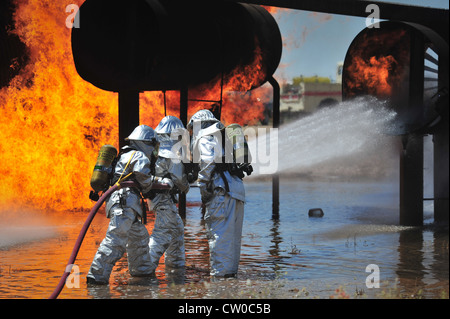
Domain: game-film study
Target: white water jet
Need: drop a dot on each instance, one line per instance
(350, 128)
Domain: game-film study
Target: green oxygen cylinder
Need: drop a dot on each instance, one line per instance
(235, 134)
(100, 176)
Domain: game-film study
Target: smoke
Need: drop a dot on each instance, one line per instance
(319, 18)
(297, 29)
(308, 25)
(19, 226)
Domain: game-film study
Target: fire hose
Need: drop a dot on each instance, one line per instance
(85, 227)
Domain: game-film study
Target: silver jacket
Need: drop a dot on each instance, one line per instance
(207, 150)
(166, 167)
(140, 166)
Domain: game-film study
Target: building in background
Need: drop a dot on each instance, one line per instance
(307, 94)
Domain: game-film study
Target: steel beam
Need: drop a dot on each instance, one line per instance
(276, 124)
(128, 114)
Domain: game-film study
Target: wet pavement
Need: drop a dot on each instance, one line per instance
(294, 257)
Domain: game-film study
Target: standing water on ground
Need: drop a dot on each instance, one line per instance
(343, 165)
(293, 257)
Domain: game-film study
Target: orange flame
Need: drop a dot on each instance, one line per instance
(53, 122)
(373, 71)
(274, 10)
(374, 74)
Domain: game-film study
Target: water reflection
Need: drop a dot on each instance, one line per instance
(411, 257)
(423, 260)
(276, 240)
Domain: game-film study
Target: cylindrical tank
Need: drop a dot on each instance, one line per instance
(161, 45)
(398, 62)
(102, 168)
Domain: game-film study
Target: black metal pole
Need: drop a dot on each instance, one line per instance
(441, 155)
(411, 158)
(183, 118)
(128, 114)
(411, 181)
(275, 124)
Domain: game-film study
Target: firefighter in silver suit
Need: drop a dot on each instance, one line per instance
(126, 232)
(168, 232)
(222, 194)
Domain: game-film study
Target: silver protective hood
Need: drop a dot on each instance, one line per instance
(171, 132)
(144, 139)
(149, 150)
(202, 116)
(143, 133)
(168, 124)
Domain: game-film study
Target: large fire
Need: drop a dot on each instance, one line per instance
(53, 122)
(376, 72)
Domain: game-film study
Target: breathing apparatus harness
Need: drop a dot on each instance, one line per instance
(115, 179)
(230, 147)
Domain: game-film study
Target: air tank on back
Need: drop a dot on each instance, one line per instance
(102, 168)
(170, 44)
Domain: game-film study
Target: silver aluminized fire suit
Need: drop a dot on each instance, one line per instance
(124, 208)
(168, 232)
(224, 210)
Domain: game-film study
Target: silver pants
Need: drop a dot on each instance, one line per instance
(125, 233)
(224, 217)
(167, 237)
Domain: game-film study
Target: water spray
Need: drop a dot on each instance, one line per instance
(353, 127)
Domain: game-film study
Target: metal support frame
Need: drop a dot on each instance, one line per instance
(436, 19)
(411, 161)
(441, 155)
(275, 124)
(411, 158)
(411, 181)
(183, 118)
(128, 114)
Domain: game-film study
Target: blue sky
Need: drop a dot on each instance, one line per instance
(315, 42)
